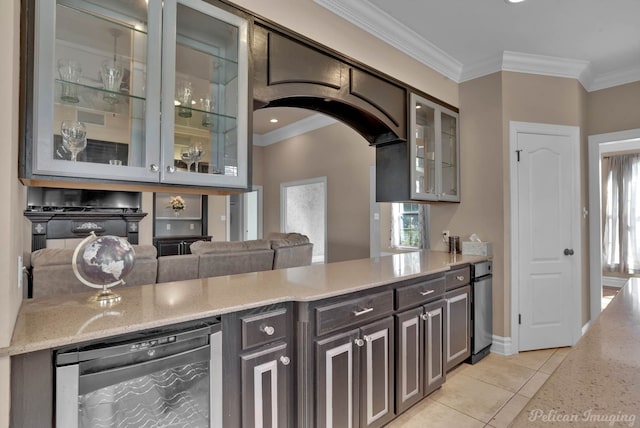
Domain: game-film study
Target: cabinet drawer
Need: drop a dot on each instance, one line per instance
(263, 328)
(458, 278)
(353, 311)
(419, 293)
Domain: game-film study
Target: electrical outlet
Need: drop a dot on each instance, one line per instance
(191, 226)
(20, 272)
(168, 227)
(445, 235)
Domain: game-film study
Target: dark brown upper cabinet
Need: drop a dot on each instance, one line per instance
(292, 73)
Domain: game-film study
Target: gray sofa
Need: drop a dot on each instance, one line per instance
(53, 274)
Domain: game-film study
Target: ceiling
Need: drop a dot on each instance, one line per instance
(595, 41)
(589, 40)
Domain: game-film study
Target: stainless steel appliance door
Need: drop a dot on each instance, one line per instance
(482, 313)
(169, 391)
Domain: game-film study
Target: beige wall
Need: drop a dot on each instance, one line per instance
(344, 157)
(317, 23)
(11, 191)
(481, 207)
(613, 109)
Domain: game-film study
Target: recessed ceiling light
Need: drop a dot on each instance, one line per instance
(418, 106)
(274, 120)
(513, 1)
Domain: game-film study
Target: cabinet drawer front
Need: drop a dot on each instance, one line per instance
(263, 328)
(352, 312)
(458, 278)
(417, 294)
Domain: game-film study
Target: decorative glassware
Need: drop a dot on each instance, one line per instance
(198, 154)
(111, 73)
(69, 71)
(74, 137)
(184, 93)
(188, 157)
(207, 105)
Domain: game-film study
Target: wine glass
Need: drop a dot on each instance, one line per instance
(74, 137)
(198, 153)
(188, 157)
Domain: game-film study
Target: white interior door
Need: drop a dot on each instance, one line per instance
(304, 210)
(547, 235)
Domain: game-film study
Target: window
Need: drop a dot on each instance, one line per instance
(405, 231)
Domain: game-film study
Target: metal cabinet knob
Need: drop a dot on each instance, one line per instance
(568, 251)
(285, 360)
(367, 338)
(426, 316)
(268, 330)
(154, 168)
(359, 342)
(460, 278)
(171, 169)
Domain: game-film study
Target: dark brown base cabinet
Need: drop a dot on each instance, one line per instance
(258, 368)
(355, 372)
(458, 330)
(178, 245)
(420, 339)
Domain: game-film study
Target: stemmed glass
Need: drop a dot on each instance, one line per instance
(74, 137)
(188, 157)
(198, 153)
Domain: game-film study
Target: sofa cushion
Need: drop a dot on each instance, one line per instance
(231, 263)
(211, 247)
(289, 240)
(177, 268)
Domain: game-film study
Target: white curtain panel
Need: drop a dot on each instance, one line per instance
(621, 246)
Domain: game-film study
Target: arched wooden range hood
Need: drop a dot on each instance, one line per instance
(289, 73)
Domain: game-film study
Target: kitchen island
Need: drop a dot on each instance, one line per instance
(320, 337)
(62, 320)
(598, 383)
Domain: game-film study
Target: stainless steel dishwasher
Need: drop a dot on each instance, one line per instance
(481, 310)
(167, 377)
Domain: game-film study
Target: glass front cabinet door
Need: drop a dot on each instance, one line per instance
(435, 151)
(141, 90)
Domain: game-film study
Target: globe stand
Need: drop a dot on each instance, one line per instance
(105, 297)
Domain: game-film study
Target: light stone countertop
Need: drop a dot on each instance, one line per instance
(598, 383)
(52, 322)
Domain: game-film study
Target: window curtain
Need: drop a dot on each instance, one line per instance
(423, 218)
(621, 246)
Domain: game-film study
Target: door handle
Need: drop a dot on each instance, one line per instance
(568, 251)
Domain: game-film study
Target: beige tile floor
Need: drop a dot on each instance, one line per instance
(489, 393)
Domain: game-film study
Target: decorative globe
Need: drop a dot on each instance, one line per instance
(103, 261)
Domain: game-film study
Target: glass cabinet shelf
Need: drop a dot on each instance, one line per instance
(435, 147)
(123, 89)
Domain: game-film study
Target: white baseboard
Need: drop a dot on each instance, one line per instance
(614, 281)
(501, 345)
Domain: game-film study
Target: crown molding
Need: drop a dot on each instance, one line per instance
(615, 78)
(300, 127)
(546, 66)
(388, 29)
(481, 68)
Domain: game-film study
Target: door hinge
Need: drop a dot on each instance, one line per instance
(518, 154)
(519, 318)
